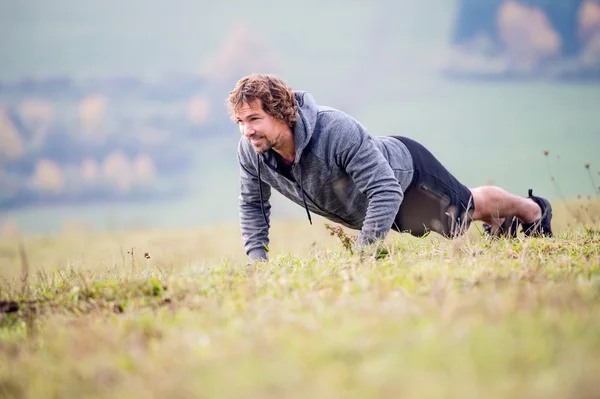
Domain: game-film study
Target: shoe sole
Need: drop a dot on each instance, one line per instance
(544, 204)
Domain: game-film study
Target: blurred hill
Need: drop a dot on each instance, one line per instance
(101, 139)
(122, 102)
(508, 39)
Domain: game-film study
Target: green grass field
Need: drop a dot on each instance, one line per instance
(158, 314)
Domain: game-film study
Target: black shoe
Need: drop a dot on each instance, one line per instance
(542, 226)
(508, 228)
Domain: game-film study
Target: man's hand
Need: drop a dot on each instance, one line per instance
(376, 250)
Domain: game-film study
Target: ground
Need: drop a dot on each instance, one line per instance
(181, 314)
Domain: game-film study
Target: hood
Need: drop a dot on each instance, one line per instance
(306, 122)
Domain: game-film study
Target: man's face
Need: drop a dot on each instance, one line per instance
(263, 130)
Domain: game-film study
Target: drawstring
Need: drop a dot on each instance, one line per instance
(261, 194)
(262, 206)
(304, 199)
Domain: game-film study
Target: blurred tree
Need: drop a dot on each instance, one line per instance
(589, 20)
(48, 177)
(242, 52)
(117, 170)
(144, 170)
(92, 111)
(476, 17)
(563, 15)
(90, 171)
(36, 116)
(589, 32)
(12, 145)
(199, 109)
(527, 35)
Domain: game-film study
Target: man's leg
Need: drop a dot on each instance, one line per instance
(493, 205)
(437, 201)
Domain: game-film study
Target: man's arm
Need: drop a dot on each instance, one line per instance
(254, 228)
(359, 156)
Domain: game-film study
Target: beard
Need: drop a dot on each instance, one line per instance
(262, 145)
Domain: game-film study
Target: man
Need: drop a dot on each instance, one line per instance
(325, 161)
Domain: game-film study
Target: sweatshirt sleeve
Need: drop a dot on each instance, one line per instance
(254, 228)
(365, 164)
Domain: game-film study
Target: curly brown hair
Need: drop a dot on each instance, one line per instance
(276, 97)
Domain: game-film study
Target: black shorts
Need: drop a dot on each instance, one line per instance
(434, 200)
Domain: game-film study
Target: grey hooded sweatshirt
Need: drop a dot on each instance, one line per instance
(340, 172)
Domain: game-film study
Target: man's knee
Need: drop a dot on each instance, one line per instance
(486, 200)
(480, 200)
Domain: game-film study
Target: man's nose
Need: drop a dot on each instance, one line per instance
(247, 130)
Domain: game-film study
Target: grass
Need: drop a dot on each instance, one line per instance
(159, 314)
